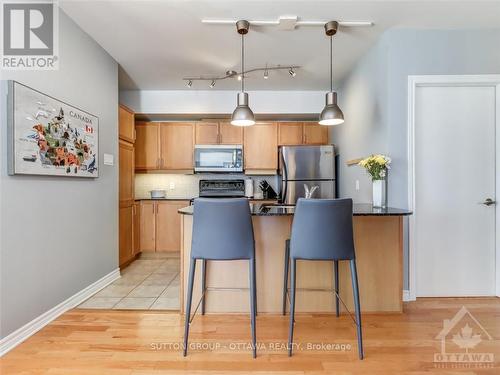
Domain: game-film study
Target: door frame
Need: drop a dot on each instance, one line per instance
(415, 81)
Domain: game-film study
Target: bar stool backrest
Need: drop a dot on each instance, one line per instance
(222, 229)
(322, 230)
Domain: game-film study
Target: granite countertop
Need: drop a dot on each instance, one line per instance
(258, 209)
(163, 199)
(188, 199)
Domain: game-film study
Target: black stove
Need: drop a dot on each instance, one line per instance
(222, 188)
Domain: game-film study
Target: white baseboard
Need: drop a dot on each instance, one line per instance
(18, 336)
(407, 296)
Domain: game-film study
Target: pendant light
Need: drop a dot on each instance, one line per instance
(242, 115)
(331, 114)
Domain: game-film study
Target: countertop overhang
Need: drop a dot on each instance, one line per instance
(359, 209)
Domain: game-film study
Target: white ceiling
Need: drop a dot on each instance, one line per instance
(159, 42)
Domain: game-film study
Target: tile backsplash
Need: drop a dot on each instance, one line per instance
(184, 186)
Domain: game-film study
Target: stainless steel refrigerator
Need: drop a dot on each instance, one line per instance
(301, 168)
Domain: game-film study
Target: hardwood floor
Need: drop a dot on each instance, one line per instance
(134, 342)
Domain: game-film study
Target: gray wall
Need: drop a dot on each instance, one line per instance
(59, 235)
(374, 98)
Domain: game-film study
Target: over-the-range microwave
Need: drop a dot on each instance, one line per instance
(218, 158)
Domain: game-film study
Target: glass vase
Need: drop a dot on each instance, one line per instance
(379, 194)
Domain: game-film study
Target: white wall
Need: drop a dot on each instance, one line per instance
(222, 102)
(59, 235)
(374, 98)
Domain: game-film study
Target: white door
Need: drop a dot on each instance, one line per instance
(454, 144)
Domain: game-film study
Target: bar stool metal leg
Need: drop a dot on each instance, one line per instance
(203, 284)
(255, 287)
(285, 277)
(187, 317)
(355, 290)
(336, 275)
(253, 306)
(292, 305)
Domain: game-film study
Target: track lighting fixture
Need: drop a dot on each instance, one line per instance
(292, 70)
(212, 84)
(190, 83)
(331, 114)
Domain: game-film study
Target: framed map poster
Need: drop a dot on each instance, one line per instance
(50, 137)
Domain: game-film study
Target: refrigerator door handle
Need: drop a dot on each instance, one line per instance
(284, 178)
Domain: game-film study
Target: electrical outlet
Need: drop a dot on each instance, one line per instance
(172, 185)
(357, 185)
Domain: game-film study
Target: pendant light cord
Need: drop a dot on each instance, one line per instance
(242, 63)
(331, 63)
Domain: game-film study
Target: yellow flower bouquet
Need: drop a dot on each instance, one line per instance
(376, 166)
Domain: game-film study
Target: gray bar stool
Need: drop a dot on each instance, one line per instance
(222, 230)
(322, 230)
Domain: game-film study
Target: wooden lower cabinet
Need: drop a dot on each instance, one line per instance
(168, 225)
(126, 236)
(129, 236)
(137, 228)
(160, 225)
(147, 225)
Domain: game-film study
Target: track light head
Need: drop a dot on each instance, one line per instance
(242, 27)
(331, 28)
(292, 72)
(266, 74)
(212, 84)
(190, 83)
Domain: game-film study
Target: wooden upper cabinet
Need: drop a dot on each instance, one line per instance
(207, 133)
(230, 134)
(261, 146)
(315, 134)
(126, 124)
(213, 133)
(290, 133)
(147, 151)
(176, 145)
(168, 225)
(126, 171)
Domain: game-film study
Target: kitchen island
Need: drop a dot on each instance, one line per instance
(378, 236)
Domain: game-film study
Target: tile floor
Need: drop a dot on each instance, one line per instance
(149, 283)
